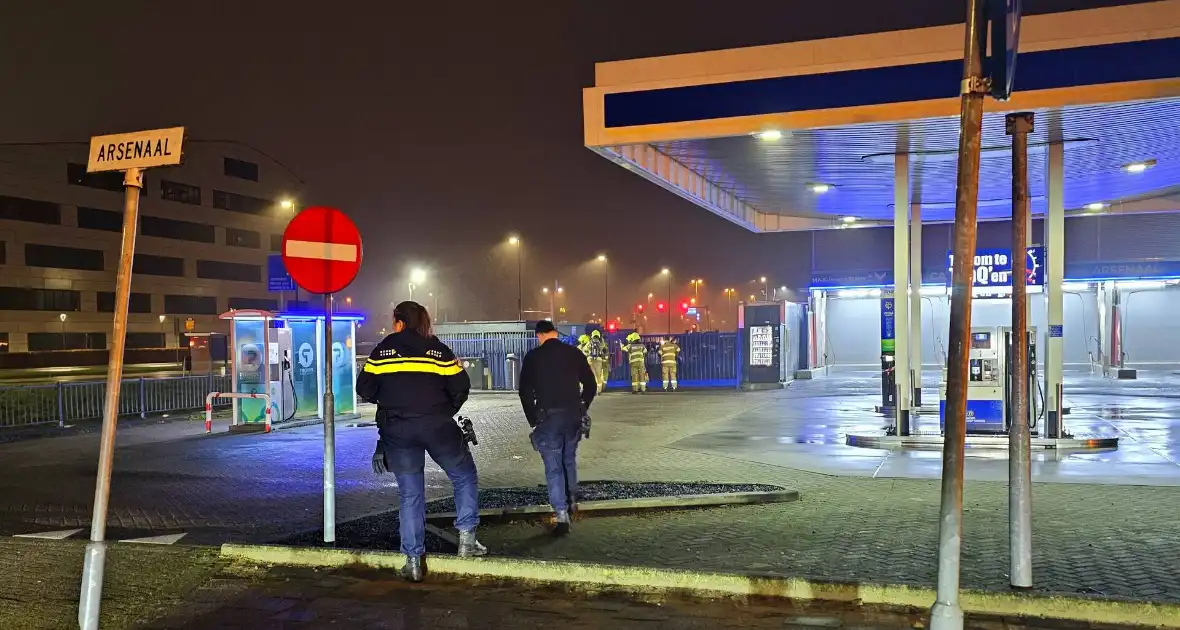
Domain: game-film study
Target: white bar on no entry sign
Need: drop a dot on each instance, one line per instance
(322, 251)
(141, 149)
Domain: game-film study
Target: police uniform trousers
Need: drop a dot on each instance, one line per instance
(406, 441)
(556, 438)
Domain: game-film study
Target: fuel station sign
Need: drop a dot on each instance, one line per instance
(993, 267)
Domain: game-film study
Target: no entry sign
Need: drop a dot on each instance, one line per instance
(322, 250)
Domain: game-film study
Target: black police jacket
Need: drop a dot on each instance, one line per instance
(409, 375)
(555, 375)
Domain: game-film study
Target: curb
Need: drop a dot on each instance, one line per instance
(591, 577)
(648, 503)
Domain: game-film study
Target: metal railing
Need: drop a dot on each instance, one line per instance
(493, 348)
(62, 403)
(707, 359)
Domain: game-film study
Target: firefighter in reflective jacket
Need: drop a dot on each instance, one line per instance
(418, 386)
(669, 353)
(584, 346)
(599, 358)
(636, 354)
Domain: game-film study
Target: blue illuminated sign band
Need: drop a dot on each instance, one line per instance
(1074, 272)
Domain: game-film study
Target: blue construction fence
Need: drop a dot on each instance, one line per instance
(707, 359)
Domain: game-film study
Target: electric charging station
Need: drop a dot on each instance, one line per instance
(281, 354)
(989, 382)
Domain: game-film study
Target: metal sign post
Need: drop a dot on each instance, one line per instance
(947, 613)
(130, 153)
(329, 428)
(1019, 465)
(322, 253)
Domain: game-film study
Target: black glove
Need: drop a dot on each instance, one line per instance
(379, 465)
(586, 425)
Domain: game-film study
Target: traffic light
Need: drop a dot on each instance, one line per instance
(638, 308)
(661, 307)
(612, 326)
(684, 307)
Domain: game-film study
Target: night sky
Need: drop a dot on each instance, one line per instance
(439, 127)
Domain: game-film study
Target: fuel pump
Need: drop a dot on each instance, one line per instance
(989, 382)
(282, 384)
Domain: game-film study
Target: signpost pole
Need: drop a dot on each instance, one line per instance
(94, 563)
(329, 428)
(322, 254)
(1019, 471)
(947, 613)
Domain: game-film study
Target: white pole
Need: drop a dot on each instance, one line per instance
(901, 282)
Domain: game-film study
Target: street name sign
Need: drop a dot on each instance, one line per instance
(139, 149)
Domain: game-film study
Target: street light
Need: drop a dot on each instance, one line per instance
(287, 204)
(765, 293)
(417, 277)
(668, 275)
(605, 284)
(556, 289)
(515, 242)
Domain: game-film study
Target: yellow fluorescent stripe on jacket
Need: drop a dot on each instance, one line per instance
(421, 365)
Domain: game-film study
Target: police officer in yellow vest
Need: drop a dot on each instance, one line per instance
(636, 354)
(669, 353)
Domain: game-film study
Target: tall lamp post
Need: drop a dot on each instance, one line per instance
(515, 242)
(288, 206)
(605, 288)
(417, 277)
(63, 318)
(552, 293)
(668, 276)
(765, 294)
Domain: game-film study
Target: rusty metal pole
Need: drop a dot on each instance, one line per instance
(947, 613)
(1019, 466)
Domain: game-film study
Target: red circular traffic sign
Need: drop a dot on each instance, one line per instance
(322, 250)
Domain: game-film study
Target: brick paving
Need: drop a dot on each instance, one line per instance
(1111, 541)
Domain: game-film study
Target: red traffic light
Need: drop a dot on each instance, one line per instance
(684, 306)
(612, 327)
(638, 308)
(661, 307)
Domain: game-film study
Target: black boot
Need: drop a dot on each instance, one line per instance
(415, 568)
(563, 523)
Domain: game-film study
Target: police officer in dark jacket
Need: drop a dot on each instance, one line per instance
(556, 389)
(418, 386)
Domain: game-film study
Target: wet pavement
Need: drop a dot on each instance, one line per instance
(854, 521)
(810, 433)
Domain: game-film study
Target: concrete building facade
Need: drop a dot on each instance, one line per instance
(206, 229)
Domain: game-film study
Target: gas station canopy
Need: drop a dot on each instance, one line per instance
(803, 135)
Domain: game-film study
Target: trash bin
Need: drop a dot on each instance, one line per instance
(512, 370)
